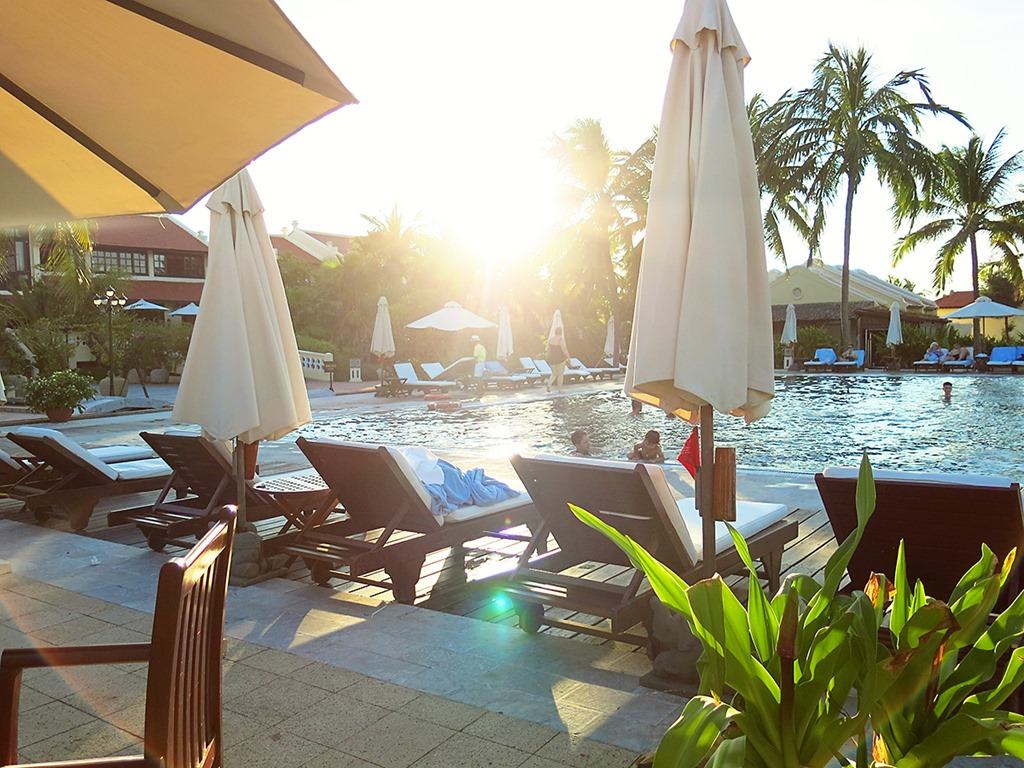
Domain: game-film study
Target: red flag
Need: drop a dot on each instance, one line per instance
(689, 456)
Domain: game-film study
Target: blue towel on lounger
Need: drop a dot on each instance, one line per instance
(462, 489)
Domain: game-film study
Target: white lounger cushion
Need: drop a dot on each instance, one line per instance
(70, 446)
(112, 454)
(141, 470)
(410, 474)
(982, 481)
(473, 511)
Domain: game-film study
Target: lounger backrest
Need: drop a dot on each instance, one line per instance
(1003, 355)
(528, 364)
(576, 363)
(542, 366)
(496, 368)
(479, 370)
(825, 355)
(433, 370)
(197, 461)
(622, 495)
(943, 520)
(8, 465)
(63, 454)
(372, 482)
(406, 371)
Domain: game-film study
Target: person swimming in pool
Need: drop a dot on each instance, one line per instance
(947, 391)
(580, 443)
(648, 449)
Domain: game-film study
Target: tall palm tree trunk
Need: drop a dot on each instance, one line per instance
(844, 296)
(975, 285)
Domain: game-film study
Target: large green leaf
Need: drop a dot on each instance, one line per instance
(731, 753)
(982, 704)
(901, 595)
(690, 739)
(964, 735)
(985, 567)
(764, 623)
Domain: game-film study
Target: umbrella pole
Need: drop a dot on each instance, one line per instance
(239, 457)
(707, 490)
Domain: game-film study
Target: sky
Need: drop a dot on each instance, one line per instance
(459, 102)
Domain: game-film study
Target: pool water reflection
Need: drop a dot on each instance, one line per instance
(902, 421)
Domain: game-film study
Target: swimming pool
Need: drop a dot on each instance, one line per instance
(815, 421)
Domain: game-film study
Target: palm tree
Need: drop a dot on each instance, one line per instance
(967, 196)
(784, 168)
(854, 125)
(65, 247)
(607, 192)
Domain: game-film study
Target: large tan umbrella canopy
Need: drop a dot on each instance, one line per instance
(504, 348)
(702, 332)
(242, 379)
(111, 107)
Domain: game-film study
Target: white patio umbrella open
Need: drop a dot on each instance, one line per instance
(789, 328)
(189, 310)
(145, 306)
(702, 331)
(451, 317)
(242, 379)
(556, 323)
(504, 348)
(610, 347)
(983, 307)
(895, 335)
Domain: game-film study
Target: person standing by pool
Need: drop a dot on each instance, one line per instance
(580, 443)
(557, 356)
(479, 350)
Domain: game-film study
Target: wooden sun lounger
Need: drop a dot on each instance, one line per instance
(389, 523)
(202, 481)
(637, 500)
(943, 520)
(80, 479)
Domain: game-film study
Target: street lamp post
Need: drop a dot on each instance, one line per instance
(110, 300)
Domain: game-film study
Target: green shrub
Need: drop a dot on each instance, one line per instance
(60, 389)
(793, 680)
(812, 337)
(48, 341)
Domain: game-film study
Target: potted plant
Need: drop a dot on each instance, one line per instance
(58, 394)
(811, 677)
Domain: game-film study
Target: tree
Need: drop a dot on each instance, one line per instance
(854, 125)
(967, 197)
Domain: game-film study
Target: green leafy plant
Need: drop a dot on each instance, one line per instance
(61, 389)
(812, 337)
(794, 680)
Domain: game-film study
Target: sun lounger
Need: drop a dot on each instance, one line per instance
(437, 374)
(637, 500)
(389, 524)
(1003, 358)
(943, 520)
(603, 371)
(202, 481)
(959, 365)
(850, 365)
(81, 479)
(925, 364)
(824, 358)
(493, 372)
(34, 472)
(407, 372)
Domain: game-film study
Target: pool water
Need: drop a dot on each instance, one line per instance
(816, 421)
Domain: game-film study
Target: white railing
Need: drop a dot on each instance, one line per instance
(313, 365)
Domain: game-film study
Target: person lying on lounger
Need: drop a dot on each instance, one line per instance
(849, 354)
(934, 353)
(648, 449)
(957, 353)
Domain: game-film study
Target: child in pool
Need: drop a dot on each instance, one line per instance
(648, 449)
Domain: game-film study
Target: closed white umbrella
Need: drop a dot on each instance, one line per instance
(382, 344)
(242, 378)
(895, 335)
(610, 349)
(189, 310)
(145, 306)
(702, 332)
(556, 323)
(505, 347)
(451, 317)
(789, 329)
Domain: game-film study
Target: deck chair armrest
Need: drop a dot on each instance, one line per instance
(73, 656)
(130, 761)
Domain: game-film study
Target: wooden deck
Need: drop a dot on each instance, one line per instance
(445, 585)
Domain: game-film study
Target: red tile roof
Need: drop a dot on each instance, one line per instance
(146, 232)
(955, 300)
(164, 290)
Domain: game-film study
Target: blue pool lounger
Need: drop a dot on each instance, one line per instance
(824, 358)
(850, 365)
(1002, 358)
(933, 364)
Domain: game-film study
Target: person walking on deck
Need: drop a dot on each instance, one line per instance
(557, 356)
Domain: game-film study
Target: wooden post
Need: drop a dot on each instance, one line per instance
(239, 457)
(724, 504)
(707, 490)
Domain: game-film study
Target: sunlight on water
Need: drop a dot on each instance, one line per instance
(902, 421)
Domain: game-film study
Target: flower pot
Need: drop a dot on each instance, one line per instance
(58, 414)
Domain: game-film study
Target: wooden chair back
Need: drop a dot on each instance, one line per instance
(621, 495)
(60, 459)
(370, 485)
(943, 526)
(183, 695)
(194, 460)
